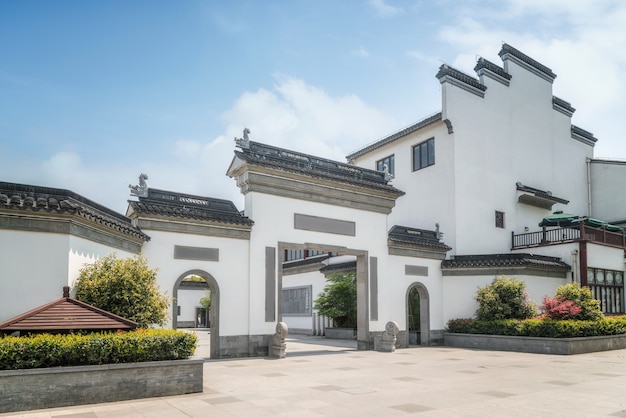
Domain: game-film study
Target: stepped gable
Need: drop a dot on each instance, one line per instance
(508, 51)
(66, 315)
(21, 198)
(309, 165)
(413, 237)
(505, 260)
(170, 204)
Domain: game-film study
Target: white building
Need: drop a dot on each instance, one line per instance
(471, 186)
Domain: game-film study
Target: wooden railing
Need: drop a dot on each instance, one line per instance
(565, 235)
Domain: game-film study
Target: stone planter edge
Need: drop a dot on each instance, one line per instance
(537, 345)
(29, 389)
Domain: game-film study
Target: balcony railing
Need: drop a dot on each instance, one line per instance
(569, 234)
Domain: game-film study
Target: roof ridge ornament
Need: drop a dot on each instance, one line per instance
(243, 143)
(140, 190)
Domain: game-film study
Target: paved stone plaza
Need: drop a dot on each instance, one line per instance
(317, 380)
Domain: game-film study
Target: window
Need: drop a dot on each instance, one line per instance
(297, 301)
(499, 219)
(424, 154)
(607, 286)
(391, 165)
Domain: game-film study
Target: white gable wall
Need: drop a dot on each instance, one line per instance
(511, 135)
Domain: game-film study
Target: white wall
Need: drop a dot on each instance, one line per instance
(189, 300)
(608, 191)
(83, 251)
(274, 222)
(34, 270)
(230, 272)
(461, 290)
(394, 285)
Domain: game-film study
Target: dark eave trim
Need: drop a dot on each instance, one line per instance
(403, 132)
(509, 53)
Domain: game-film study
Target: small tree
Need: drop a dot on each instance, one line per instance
(338, 300)
(125, 287)
(504, 298)
(582, 297)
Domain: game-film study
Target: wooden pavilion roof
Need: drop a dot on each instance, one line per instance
(66, 314)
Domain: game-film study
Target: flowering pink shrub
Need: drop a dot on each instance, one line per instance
(559, 308)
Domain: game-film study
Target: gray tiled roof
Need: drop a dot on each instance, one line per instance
(508, 49)
(22, 198)
(446, 70)
(483, 63)
(297, 162)
(505, 260)
(184, 206)
(414, 237)
(401, 133)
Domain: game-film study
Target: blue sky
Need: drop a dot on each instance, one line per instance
(92, 93)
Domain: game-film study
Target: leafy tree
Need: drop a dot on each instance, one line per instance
(125, 287)
(414, 310)
(504, 298)
(338, 300)
(205, 301)
(581, 296)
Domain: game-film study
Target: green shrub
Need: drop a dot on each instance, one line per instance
(125, 287)
(581, 296)
(504, 298)
(540, 327)
(46, 350)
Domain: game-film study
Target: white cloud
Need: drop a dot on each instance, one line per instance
(360, 52)
(384, 9)
(582, 42)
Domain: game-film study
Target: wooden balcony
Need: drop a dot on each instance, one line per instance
(565, 235)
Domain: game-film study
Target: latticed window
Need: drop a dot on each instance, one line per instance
(607, 286)
(297, 301)
(499, 219)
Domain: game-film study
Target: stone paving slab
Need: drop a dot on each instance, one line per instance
(319, 380)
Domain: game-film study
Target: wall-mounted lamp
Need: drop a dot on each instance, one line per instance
(525, 229)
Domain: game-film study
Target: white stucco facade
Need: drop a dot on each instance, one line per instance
(471, 185)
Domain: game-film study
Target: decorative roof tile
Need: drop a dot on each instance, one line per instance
(482, 63)
(296, 162)
(562, 106)
(447, 73)
(583, 136)
(505, 260)
(23, 198)
(413, 237)
(508, 50)
(184, 206)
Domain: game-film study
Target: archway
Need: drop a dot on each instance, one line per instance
(213, 311)
(423, 302)
(362, 276)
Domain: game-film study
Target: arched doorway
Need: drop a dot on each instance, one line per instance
(418, 313)
(213, 311)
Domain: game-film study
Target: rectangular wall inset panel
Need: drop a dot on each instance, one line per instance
(327, 225)
(196, 253)
(270, 284)
(374, 288)
(415, 270)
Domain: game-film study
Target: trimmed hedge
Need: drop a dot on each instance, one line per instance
(47, 350)
(540, 327)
